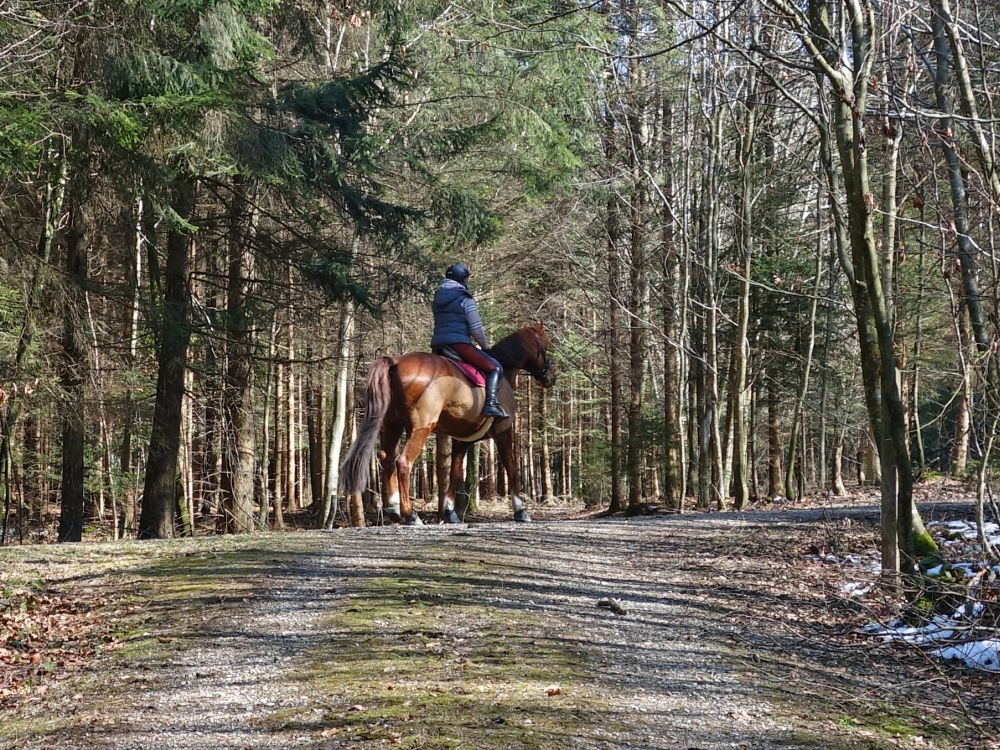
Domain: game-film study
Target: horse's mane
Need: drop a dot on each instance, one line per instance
(511, 350)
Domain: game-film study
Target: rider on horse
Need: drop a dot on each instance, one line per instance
(457, 324)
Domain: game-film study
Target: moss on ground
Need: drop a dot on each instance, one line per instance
(413, 663)
(414, 657)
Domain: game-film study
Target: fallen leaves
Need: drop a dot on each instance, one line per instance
(45, 635)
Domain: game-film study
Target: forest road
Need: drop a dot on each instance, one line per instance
(660, 633)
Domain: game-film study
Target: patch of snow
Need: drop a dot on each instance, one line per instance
(968, 569)
(940, 628)
(854, 588)
(982, 655)
(970, 610)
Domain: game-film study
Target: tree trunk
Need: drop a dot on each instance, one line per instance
(795, 455)
(916, 430)
(237, 485)
(442, 464)
(159, 489)
(73, 369)
(289, 458)
(491, 475)
(526, 432)
(315, 407)
(837, 464)
(208, 457)
(637, 293)
(966, 248)
(613, 233)
(131, 358)
(719, 485)
(775, 476)
(744, 248)
(472, 478)
(963, 402)
(544, 457)
(849, 103)
(184, 487)
(280, 453)
(673, 386)
(339, 425)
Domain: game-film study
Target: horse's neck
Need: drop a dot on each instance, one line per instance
(510, 353)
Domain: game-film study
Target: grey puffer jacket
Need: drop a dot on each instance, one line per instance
(456, 317)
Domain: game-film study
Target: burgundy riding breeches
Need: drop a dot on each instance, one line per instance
(476, 357)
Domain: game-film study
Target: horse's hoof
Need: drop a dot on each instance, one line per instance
(413, 520)
(521, 516)
(450, 516)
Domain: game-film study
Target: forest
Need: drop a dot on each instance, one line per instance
(761, 236)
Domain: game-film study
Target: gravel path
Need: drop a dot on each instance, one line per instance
(670, 672)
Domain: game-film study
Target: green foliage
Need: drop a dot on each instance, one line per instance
(467, 218)
(344, 105)
(115, 124)
(21, 132)
(332, 275)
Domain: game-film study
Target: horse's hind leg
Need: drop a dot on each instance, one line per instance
(404, 465)
(387, 459)
(456, 483)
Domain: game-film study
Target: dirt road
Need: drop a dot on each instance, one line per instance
(708, 631)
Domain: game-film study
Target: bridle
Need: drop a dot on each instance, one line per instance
(542, 374)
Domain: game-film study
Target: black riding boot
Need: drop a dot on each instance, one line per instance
(492, 407)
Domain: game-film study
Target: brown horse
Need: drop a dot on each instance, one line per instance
(420, 394)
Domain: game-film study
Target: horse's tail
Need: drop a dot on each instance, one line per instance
(354, 469)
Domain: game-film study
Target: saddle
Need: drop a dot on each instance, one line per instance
(474, 376)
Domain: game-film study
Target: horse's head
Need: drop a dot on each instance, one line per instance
(537, 350)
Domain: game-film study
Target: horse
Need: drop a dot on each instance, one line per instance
(419, 394)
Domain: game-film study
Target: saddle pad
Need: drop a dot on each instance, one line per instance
(477, 378)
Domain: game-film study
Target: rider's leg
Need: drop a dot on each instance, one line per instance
(494, 375)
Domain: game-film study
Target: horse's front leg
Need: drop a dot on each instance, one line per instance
(404, 465)
(505, 448)
(456, 483)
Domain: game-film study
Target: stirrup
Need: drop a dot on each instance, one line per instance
(494, 410)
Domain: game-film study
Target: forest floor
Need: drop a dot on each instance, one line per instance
(707, 630)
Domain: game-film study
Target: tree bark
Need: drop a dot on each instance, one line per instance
(339, 425)
(775, 476)
(237, 485)
(795, 455)
(73, 366)
(544, 455)
(744, 248)
(963, 401)
(614, 361)
(174, 332)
